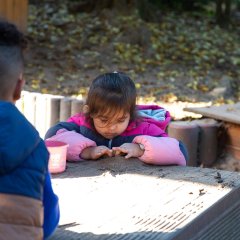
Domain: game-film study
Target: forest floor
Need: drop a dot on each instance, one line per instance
(183, 60)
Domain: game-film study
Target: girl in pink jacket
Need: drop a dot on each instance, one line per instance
(111, 124)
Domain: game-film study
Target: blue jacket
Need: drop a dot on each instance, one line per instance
(24, 163)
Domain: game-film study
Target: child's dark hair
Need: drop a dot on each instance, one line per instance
(111, 93)
(12, 45)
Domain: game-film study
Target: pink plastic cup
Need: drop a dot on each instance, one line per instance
(58, 154)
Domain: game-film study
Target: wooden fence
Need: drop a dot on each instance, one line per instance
(45, 110)
(15, 11)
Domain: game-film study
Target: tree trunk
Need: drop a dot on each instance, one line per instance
(122, 7)
(223, 11)
(148, 11)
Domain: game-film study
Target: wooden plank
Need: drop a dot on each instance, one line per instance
(3, 8)
(228, 112)
(15, 11)
(115, 198)
(9, 10)
(21, 14)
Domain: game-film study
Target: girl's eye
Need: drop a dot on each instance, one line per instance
(104, 120)
(121, 120)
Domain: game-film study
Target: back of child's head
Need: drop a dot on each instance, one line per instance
(111, 93)
(12, 44)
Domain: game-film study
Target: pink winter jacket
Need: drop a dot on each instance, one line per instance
(149, 131)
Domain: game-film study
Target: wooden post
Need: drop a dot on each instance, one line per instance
(15, 11)
(187, 132)
(29, 106)
(40, 114)
(233, 139)
(208, 145)
(65, 108)
(77, 106)
(53, 110)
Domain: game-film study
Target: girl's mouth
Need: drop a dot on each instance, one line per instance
(109, 135)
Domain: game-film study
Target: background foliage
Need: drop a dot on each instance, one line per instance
(174, 50)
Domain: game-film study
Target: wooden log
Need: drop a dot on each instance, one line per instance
(53, 110)
(29, 106)
(187, 132)
(207, 150)
(233, 139)
(65, 108)
(76, 106)
(40, 120)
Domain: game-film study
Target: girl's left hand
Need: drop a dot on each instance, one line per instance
(131, 149)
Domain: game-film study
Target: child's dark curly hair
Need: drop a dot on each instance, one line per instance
(12, 45)
(11, 36)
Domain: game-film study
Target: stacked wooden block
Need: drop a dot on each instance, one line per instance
(229, 115)
(233, 139)
(200, 138)
(45, 110)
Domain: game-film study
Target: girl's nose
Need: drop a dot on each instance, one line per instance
(113, 126)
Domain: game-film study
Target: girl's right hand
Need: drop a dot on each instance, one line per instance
(129, 150)
(93, 153)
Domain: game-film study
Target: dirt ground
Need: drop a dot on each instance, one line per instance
(179, 59)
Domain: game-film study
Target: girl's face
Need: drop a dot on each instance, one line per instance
(110, 127)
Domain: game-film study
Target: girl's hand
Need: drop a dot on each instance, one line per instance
(94, 153)
(130, 149)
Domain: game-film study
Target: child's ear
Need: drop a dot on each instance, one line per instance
(85, 109)
(18, 88)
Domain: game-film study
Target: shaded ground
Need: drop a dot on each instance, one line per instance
(183, 58)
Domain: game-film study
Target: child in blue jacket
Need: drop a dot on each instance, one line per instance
(28, 206)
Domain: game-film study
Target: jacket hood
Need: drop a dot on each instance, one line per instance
(18, 138)
(154, 115)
